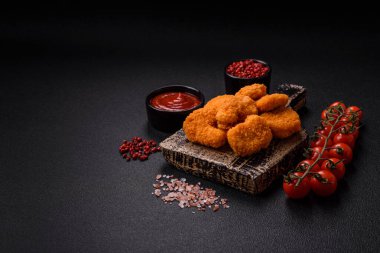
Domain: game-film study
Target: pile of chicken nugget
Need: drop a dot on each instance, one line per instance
(247, 121)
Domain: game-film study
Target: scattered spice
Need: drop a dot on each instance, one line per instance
(187, 195)
(138, 148)
(247, 69)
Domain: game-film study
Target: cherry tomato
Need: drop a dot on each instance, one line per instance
(341, 151)
(355, 110)
(305, 164)
(331, 113)
(350, 129)
(320, 142)
(314, 153)
(325, 132)
(342, 122)
(335, 166)
(350, 120)
(296, 192)
(349, 139)
(335, 104)
(356, 134)
(325, 187)
(324, 115)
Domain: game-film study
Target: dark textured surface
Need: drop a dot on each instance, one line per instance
(72, 88)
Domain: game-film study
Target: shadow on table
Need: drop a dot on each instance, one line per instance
(325, 203)
(154, 133)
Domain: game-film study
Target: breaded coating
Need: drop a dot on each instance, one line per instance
(283, 122)
(247, 107)
(250, 136)
(271, 102)
(199, 128)
(254, 91)
(230, 110)
(214, 104)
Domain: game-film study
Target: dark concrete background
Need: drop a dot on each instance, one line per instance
(72, 87)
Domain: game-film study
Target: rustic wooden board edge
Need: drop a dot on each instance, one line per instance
(236, 173)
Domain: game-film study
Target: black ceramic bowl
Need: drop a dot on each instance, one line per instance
(169, 121)
(233, 83)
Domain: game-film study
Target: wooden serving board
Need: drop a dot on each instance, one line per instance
(251, 174)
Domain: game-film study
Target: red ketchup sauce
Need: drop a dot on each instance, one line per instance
(175, 101)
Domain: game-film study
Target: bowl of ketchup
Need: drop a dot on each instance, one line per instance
(167, 107)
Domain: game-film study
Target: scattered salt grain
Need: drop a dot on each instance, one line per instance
(157, 192)
(187, 195)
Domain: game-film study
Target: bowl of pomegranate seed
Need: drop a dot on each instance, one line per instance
(167, 107)
(241, 73)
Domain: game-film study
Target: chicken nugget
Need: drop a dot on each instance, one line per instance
(254, 91)
(247, 107)
(199, 128)
(234, 110)
(214, 104)
(283, 122)
(270, 102)
(227, 114)
(250, 136)
(224, 126)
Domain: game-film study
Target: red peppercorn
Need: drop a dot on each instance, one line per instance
(247, 69)
(143, 157)
(138, 148)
